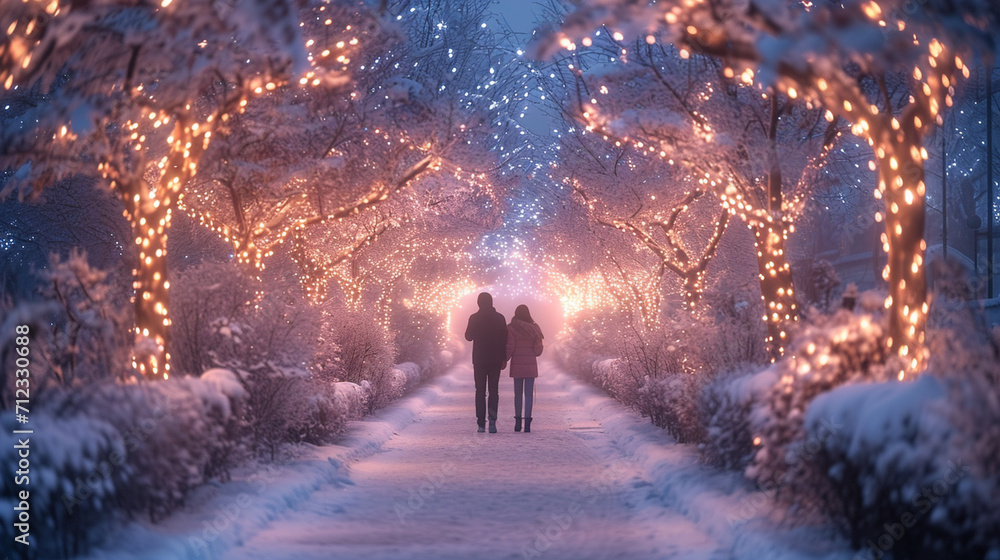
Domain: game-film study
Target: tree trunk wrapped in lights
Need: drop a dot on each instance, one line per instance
(901, 182)
(897, 143)
(775, 285)
(149, 211)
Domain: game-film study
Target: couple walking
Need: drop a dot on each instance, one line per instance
(494, 344)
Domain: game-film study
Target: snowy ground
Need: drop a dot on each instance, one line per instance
(591, 481)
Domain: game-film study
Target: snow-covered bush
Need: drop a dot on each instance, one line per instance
(738, 334)
(350, 397)
(115, 450)
(725, 406)
(287, 405)
(224, 397)
(400, 379)
(591, 337)
(89, 338)
(324, 417)
(407, 375)
(203, 299)
(79, 331)
(276, 411)
(75, 479)
(366, 356)
(671, 402)
(827, 352)
(913, 467)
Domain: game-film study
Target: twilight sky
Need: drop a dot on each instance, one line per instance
(520, 16)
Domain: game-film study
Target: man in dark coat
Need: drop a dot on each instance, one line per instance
(488, 332)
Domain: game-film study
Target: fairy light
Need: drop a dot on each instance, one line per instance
(354, 246)
(896, 137)
(897, 143)
(172, 140)
(771, 226)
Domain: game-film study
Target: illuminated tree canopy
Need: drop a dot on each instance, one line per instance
(371, 150)
(835, 56)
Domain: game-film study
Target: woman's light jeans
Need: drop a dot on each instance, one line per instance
(525, 386)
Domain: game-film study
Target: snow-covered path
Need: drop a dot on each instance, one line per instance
(441, 490)
(593, 480)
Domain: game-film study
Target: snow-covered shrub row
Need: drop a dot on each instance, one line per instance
(667, 397)
(614, 378)
(909, 468)
(113, 449)
(661, 373)
(667, 369)
(589, 338)
(288, 343)
(913, 467)
(725, 406)
(827, 351)
(79, 329)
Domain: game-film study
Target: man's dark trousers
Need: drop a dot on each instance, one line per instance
(487, 374)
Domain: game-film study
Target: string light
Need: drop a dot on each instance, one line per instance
(896, 139)
(169, 127)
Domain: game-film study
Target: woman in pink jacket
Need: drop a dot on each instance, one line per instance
(524, 344)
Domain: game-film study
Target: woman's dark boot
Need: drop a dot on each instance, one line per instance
(527, 424)
(517, 423)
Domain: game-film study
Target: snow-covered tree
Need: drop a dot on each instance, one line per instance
(755, 151)
(824, 53)
(637, 195)
(135, 92)
(330, 172)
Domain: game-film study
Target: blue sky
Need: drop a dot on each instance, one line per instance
(520, 16)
